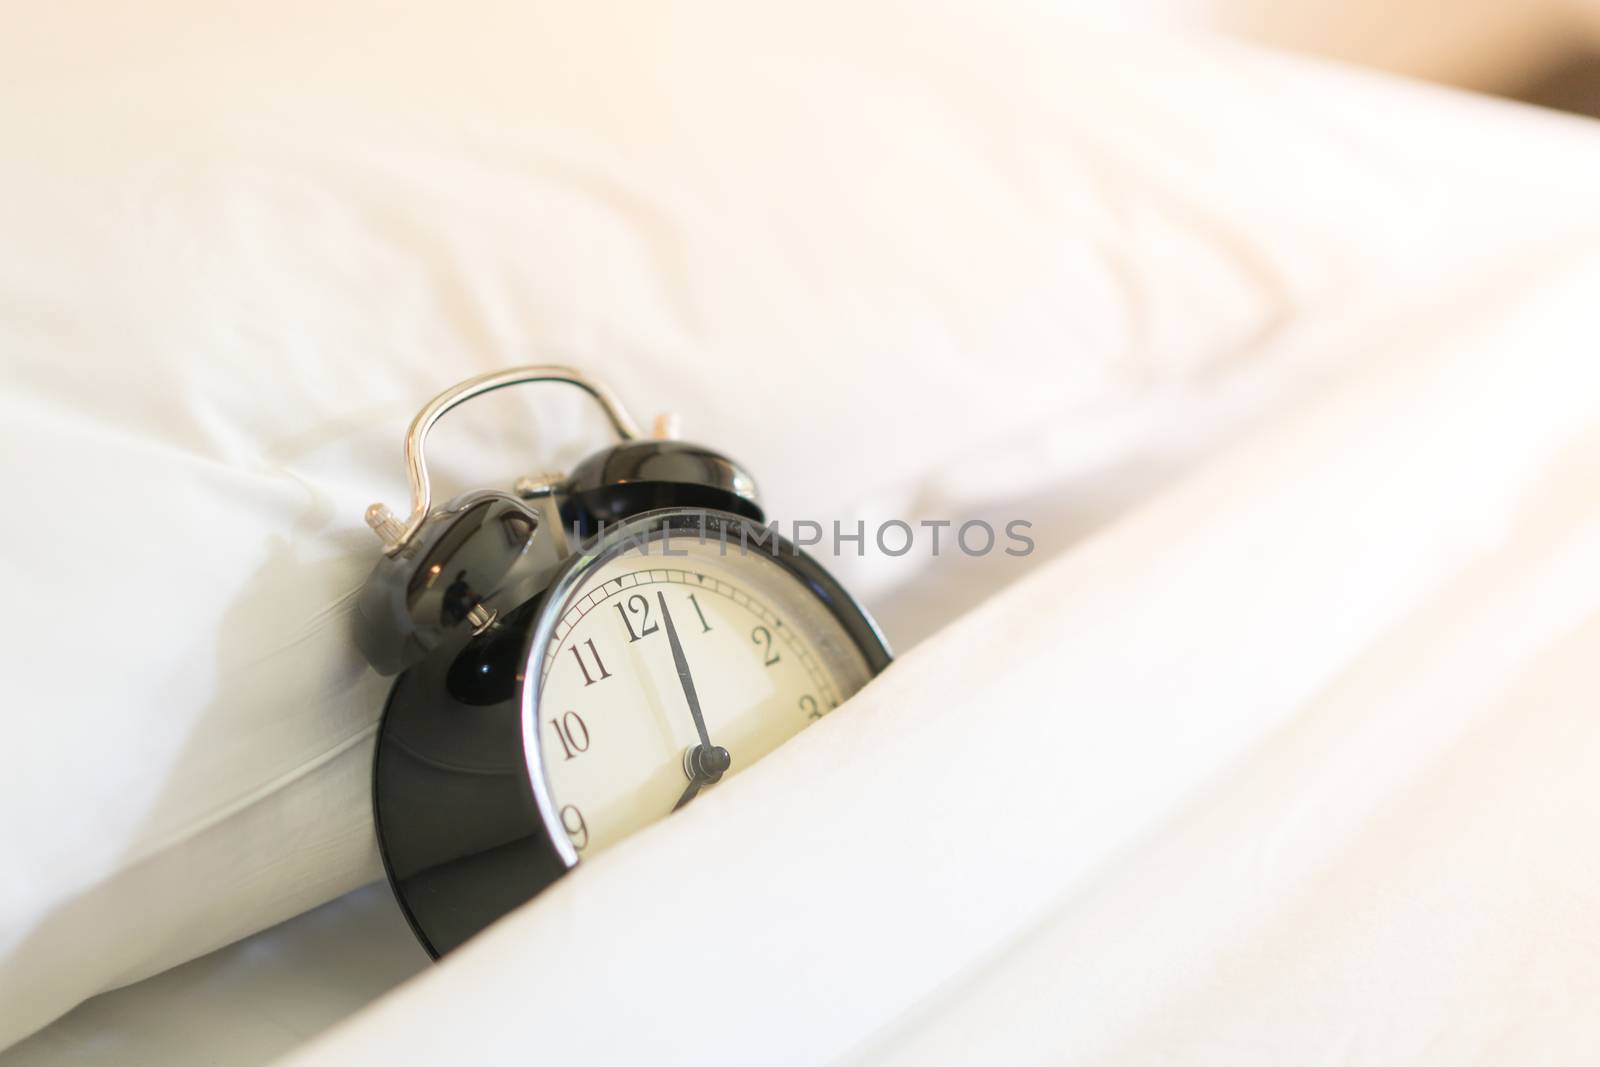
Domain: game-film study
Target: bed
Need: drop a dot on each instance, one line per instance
(1276, 748)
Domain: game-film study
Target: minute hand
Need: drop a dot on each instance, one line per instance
(682, 663)
(709, 761)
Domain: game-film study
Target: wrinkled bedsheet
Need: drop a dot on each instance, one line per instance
(1283, 756)
(1295, 764)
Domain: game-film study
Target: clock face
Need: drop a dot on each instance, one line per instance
(672, 661)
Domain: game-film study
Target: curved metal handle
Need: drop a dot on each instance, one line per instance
(381, 519)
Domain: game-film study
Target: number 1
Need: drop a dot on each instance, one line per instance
(705, 627)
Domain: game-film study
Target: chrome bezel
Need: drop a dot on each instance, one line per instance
(645, 529)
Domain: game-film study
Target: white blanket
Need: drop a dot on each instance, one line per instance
(1296, 765)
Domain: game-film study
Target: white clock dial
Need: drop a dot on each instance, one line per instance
(764, 655)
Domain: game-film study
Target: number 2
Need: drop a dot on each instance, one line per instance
(763, 636)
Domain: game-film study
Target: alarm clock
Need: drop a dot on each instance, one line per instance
(580, 657)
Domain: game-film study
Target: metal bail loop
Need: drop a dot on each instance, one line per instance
(387, 524)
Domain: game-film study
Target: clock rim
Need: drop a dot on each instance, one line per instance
(857, 622)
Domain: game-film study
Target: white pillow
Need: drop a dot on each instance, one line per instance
(876, 257)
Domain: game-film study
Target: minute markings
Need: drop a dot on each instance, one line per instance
(576, 613)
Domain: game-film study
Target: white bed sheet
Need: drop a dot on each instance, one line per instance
(245, 1004)
(1412, 189)
(1369, 846)
(258, 999)
(1295, 765)
(239, 245)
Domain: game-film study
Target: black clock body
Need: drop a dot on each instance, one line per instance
(464, 821)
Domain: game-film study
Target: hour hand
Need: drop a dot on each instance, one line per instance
(688, 794)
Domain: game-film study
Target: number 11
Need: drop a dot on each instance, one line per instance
(584, 667)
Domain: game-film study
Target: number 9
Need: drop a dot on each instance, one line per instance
(577, 829)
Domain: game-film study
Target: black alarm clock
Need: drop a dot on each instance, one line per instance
(581, 657)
